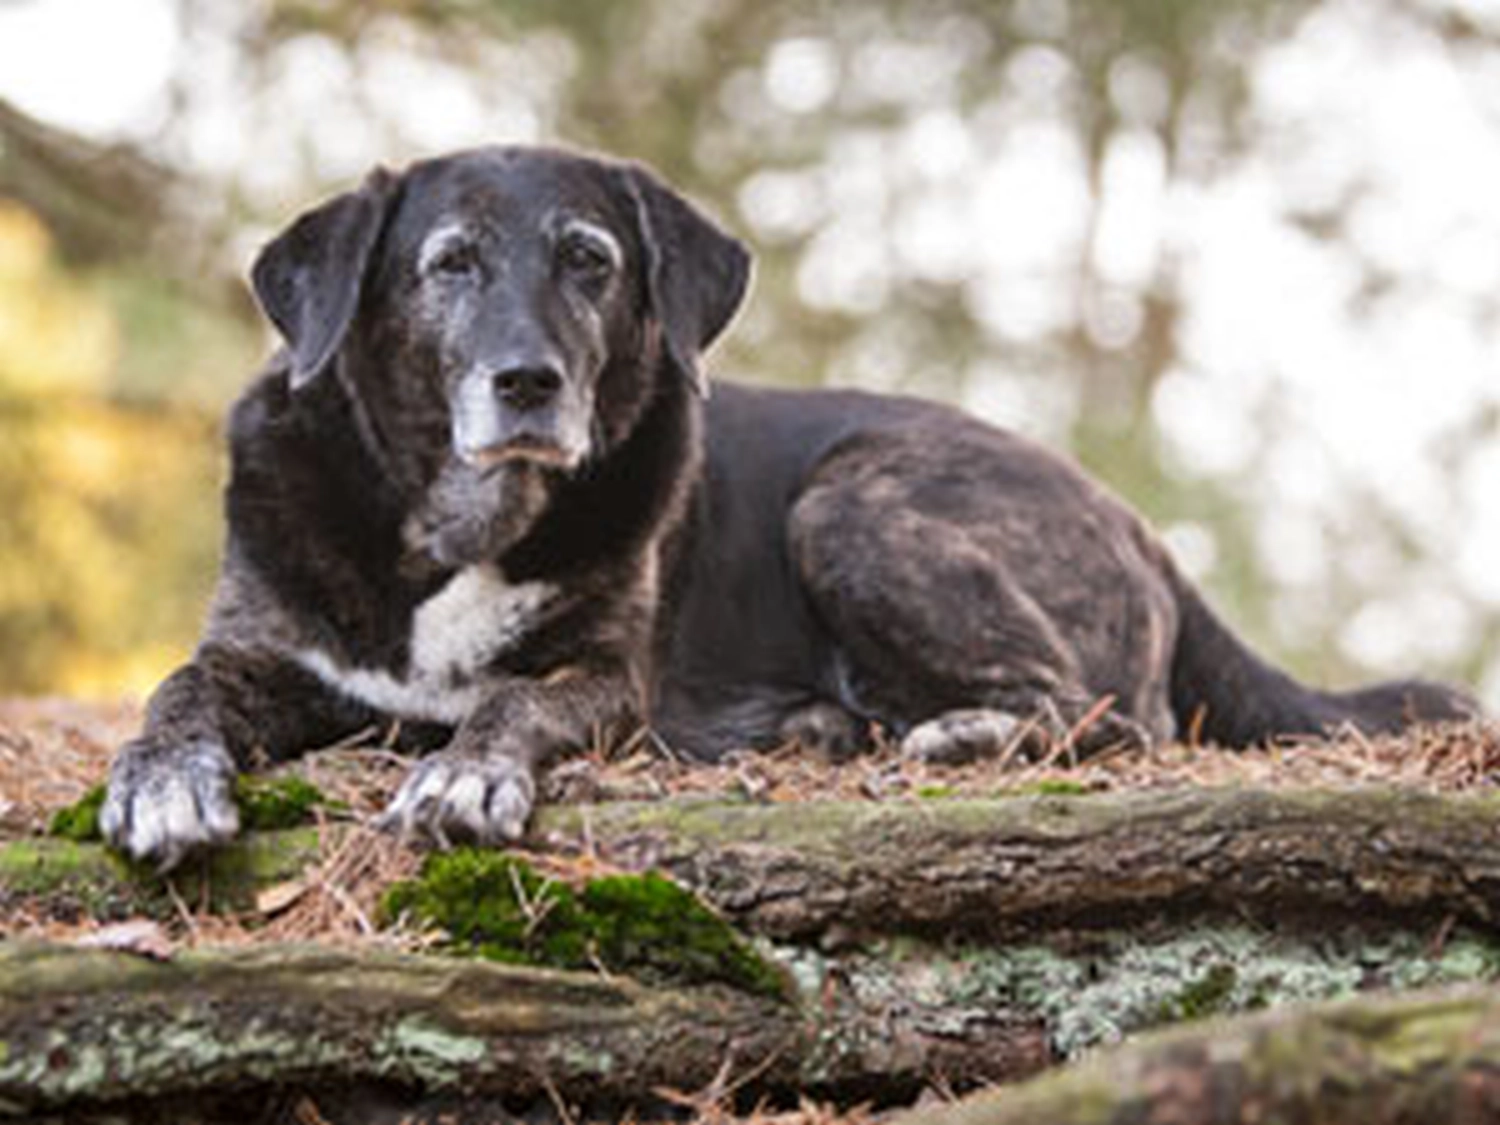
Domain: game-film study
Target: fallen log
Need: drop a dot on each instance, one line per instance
(986, 869)
(89, 1026)
(93, 1031)
(1428, 1059)
(89, 879)
(1001, 867)
(974, 940)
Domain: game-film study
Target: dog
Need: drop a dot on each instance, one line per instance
(483, 489)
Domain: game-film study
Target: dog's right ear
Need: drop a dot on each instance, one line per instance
(309, 277)
(696, 274)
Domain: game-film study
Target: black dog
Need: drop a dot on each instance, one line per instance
(480, 491)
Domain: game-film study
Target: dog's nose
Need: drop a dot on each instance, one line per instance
(528, 386)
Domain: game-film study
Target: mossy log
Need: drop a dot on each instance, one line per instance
(833, 886)
(1006, 866)
(82, 1026)
(89, 879)
(1419, 1059)
(984, 868)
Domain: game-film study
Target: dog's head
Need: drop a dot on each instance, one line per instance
(498, 307)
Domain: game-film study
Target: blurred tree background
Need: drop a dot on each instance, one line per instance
(1242, 257)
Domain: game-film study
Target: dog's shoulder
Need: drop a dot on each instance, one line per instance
(310, 516)
(287, 441)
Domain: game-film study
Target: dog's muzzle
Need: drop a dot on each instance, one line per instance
(522, 412)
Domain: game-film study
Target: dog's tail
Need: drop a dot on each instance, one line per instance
(1224, 693)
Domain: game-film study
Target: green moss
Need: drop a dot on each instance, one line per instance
(648, 921)
(936, 792)
(494, 905)
(1046, 787)
(498, 907)
(271, 803)
(79, 822)
(65, 877)
(1209, 995)
(1056, 787)
(266, 804)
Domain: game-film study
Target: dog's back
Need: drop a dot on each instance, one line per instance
(754, 625)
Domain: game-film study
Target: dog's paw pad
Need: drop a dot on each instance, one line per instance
(958, 737)
(165, 801)
(447, 796)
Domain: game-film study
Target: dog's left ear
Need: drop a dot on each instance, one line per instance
(308, 278)
(696, 274)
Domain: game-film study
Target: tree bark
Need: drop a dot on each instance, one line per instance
(97, 1025)
(90, 880)
(1008, 866)
(986, 869)
(1429, 1059)
(80, 1026)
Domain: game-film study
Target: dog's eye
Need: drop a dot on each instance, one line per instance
(585, 256)
(458, 260)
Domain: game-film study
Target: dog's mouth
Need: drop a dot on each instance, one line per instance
(525, 449)
(488, 439)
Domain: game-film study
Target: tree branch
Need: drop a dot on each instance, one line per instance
(100, 201)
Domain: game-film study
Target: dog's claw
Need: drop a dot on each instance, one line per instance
(165, 801)
(510, 805)
(450, 795)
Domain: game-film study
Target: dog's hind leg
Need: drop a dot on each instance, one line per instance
(941, 643)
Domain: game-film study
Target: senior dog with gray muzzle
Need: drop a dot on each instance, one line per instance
(483, 491)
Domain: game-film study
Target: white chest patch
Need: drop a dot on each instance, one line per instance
(455, 633)
(473, 619)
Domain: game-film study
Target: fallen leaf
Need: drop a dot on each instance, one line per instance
(276, 898)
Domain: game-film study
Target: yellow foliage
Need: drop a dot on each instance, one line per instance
(108, 514)
(133, 673)
(54, 336)
(108, 526)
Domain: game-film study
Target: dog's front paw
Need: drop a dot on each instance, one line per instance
(448, 795)
(167, 799)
